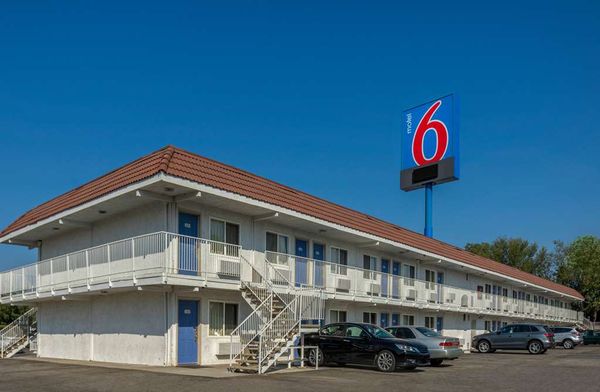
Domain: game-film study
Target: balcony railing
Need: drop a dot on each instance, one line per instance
(124, 262)
(154, 258)
(342, 280)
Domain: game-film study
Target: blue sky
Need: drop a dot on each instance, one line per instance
(311, 94)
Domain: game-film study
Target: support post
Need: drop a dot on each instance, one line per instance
(428, 210)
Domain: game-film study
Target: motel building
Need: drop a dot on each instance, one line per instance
(176, 259)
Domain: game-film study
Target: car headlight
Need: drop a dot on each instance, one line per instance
(404, 347)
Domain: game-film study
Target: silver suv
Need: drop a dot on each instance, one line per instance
(535, 338)
(568, 337)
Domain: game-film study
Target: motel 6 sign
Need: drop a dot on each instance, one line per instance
(430, 144)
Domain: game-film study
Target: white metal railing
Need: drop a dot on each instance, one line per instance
(17, 333)
(358, 282)
(149, 255)
(162, 253)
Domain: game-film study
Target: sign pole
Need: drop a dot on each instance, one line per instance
(428, 210)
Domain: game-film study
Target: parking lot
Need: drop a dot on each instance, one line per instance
(557, 370)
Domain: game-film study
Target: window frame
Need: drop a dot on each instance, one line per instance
(214, 248)
(224, 303)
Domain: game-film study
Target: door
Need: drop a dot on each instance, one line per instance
(331, 342)
(395, 319)
(384, 320)
(358, 346)
(187, 333)
(301, 271)
(439, 324)
(319, 256)
(440, 287)
(385, 277)
(503, 337)
(188, 245)
(395, 279)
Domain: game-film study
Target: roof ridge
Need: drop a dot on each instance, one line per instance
(165, 161)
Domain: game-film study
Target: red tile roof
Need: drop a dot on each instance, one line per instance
(183, 164)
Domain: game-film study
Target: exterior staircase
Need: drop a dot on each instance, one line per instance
(19, 334)
(280, 311)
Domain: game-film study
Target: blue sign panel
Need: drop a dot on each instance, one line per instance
(430, 143)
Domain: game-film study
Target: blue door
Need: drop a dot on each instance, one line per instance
(319, 256)
(187, 340)
(384, 319)
(395, 319)
(385, 277)
(396, 279)
(188, 252)
(301, 262)
(439, 324)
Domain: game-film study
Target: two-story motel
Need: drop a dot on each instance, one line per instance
(145, 265)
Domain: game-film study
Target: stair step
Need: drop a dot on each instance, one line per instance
(243, 369)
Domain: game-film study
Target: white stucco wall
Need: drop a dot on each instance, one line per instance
(149, 218)
(124, 328)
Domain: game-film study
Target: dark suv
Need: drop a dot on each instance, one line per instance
(535, 338)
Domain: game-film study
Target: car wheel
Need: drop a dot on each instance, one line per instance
(436, 362)
(535, 347)
(312, 357)
(568, 344)
(385, 361)
(484, 347)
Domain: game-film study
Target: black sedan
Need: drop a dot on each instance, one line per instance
(364, 344)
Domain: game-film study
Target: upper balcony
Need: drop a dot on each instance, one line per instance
(166, 258)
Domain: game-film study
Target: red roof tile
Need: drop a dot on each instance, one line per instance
(183, 164)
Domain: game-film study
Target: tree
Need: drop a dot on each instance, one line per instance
(9, 313)
(580, 269)
(517, 252)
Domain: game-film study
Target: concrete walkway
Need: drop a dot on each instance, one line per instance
(214, 371)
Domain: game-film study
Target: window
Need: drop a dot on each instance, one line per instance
(369, 317)
(404, 333)
(479, 292)
(226, 237)
(408, 271)
(223, 318)
(337, 316)
(339, 257)
(408, 320)
(430, 322)
(332, 330)
(430, 279)
(488, 291)
(353, 331)
(277, 248)
(521, 328)
(395, 319)
(369, 265)
(487, 325)
(505, 292)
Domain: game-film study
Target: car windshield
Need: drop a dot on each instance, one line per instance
(430, 333)
(379, 332)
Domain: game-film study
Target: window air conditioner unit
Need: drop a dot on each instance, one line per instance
(229, 268)
(342, 284)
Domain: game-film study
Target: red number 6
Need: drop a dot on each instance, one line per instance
(441, 133)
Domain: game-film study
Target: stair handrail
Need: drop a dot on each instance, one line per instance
(14, 333)
(243, 325)
(266, 345)
(28, 313)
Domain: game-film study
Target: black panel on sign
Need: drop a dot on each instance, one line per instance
(426, 173)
